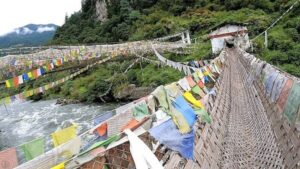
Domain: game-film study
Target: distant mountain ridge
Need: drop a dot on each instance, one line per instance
(28, 35)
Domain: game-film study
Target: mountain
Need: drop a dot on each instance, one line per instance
(28, 35)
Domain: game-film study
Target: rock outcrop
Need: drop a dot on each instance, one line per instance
(131, 92)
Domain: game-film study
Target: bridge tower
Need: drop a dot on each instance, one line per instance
(230, 33)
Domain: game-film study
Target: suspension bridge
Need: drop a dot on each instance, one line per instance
(254, 110)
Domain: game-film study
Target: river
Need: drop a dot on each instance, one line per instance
(23, 122)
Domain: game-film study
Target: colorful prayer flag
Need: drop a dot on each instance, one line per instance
(190, 98)
(59, 166)
(25, 77)
(30, 75)
(9, 83)
(64, 135)
(8, 159)
(33, 148)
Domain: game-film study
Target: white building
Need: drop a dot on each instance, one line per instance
(237, 34)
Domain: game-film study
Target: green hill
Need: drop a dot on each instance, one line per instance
(28, 35)
(129, 20)
(108, 21)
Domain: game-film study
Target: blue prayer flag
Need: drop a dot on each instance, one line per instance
(166, 133)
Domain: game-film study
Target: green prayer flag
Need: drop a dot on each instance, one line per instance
(204, 115)
(292, 103)
(196, 89)
(102, 143)
(140, 111)
(33, 148)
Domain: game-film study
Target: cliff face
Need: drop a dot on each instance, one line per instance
(101, 10)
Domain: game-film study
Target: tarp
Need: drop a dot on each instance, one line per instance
(292, 104)
(166, 133)
(33, 148)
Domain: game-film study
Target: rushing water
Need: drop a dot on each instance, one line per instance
(23, 122)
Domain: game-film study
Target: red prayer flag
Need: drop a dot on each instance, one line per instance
(35, 73)
(101, 130)
(16, 81)
(8, 159)
(133, 124)
(200, 84)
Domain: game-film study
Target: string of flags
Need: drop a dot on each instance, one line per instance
(22, 96)
(168, 112)
(280, 88)
(83, 53)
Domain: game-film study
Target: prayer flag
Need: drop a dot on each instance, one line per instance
(183, 107)
(9, 83)
(25, 77)
(189, 97)
(191, 81)
(33, 148)
(8, 159)
(292, 103)
(64, 135)
(59, 166)
(21, 81)
(166, 133)
(16, 81)
(140, 110)
(30, 75)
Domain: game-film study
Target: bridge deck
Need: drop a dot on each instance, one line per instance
(248, 139)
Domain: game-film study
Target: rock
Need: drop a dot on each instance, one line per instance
(66, 101)
(131, 92)
(101, 10)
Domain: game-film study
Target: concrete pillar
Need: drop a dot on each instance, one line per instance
(182, 37)
(266, 39)
(188, 38)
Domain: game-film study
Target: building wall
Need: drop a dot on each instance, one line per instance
(219, 36)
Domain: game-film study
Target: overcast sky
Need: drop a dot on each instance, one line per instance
(17, 13)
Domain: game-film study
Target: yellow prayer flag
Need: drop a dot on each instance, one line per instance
(190, 98)
(8, 84)
(64, 135)
(59, 166)
(30, 75)
(201, 76)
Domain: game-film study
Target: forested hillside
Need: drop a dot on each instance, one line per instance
(111, 21)
(144, 19)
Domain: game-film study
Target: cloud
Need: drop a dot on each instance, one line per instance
(45, 29)
(23, 31)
